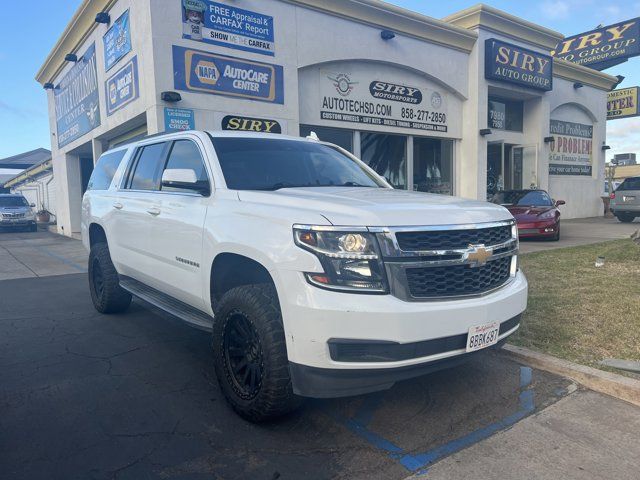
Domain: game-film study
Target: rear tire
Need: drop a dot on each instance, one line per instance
(106, 293)
(625, 217)
(250, 354)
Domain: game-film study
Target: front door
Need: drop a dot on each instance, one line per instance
(176, 231)
(524, 164)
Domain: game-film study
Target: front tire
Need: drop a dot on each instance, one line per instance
(106, 293)
(250, 355)
(556, 237)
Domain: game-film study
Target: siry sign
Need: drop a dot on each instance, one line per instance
(604, 47)
(510, 63)
(395, 93)
(622, 103)
(250, 124)
(572, 149)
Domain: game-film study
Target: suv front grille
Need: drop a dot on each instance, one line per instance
(12, 215)
(452, 239)
(457, 280)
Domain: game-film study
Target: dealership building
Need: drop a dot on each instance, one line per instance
(466, 105)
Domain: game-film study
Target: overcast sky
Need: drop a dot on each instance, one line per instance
(25, 42)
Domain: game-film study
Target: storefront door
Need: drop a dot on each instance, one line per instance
(524, 166)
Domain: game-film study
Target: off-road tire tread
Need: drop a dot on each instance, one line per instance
(114, 299)
(260, 304)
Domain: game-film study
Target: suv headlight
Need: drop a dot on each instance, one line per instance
(350, 258)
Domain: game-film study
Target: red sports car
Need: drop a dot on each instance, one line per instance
(536, 213)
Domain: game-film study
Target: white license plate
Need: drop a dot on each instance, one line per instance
(482, 336)
(628, 199)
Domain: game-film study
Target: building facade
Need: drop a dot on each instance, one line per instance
(462, 106)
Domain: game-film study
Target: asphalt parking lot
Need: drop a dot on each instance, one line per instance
(134, 396)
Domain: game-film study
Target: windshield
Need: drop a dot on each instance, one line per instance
(525, 198)
(272, 164)
(13, 202)
(630, 184)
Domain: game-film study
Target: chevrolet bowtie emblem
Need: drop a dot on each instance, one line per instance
(477, 255)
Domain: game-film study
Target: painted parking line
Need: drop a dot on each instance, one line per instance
(419, 463)
(66, 261)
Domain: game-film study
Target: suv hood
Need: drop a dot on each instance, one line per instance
(378, 207)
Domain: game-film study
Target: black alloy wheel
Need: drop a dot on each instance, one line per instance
(243, 355)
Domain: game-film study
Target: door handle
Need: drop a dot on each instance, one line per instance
(153, 211)
(118, 206)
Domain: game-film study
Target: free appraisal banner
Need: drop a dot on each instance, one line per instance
(571, 152)
(229, 26)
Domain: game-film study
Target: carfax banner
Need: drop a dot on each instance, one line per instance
(199, 71)
(221, 24)
(122, 87)
(603, 47)
(571, 152)
(514, 64)
(76, 99)
(117, 41)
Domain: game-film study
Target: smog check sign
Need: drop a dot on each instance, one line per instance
(510, 63)
(199, 71)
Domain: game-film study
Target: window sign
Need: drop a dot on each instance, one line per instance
(117, 41)
(178, 119)
(200, 71)
(229, 26)
(76, 99)
(513, 64)
(497, 115)
(571, 152)
(122, 87)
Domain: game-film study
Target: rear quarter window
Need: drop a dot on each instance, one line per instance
(105, 169)
(630, 184)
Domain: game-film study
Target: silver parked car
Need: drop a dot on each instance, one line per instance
(15, 212)
(625, 201)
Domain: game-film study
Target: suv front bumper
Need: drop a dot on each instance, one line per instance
(418, 337)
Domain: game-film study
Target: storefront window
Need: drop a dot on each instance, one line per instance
(505, 114)
(342, 138)
(387, 155)
(433, 165)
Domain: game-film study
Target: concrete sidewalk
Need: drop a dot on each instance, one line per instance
(582, 437)
(583, 231)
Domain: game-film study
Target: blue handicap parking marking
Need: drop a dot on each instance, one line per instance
(419, 463)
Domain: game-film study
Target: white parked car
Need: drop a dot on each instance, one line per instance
(316, 278)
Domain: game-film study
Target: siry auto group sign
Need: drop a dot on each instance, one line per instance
(602, 48)
(511, 63)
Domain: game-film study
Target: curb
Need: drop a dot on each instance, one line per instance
(618, 386)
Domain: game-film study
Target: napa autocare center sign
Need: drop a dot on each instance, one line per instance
(204, 72)
(510, 63)
(571, 152)
(369, 95)
(603, 47)
(76, 99)
(622, 103)
(117, 41)
(122, 87)
(229, 26)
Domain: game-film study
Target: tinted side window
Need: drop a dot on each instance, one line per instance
(104, 170)
(186, 155)
(148, 167)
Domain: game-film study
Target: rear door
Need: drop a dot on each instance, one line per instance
(176, 236)
(135, 209)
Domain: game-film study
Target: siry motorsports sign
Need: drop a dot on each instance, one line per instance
(622, 103)
(604, 47)
(510, 63)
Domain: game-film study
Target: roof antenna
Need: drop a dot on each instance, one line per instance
(313, 136)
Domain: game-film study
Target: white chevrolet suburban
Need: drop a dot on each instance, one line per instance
(315, 277)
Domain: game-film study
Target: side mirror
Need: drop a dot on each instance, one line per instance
(32, 205)
(560, 202)
(184, 178)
